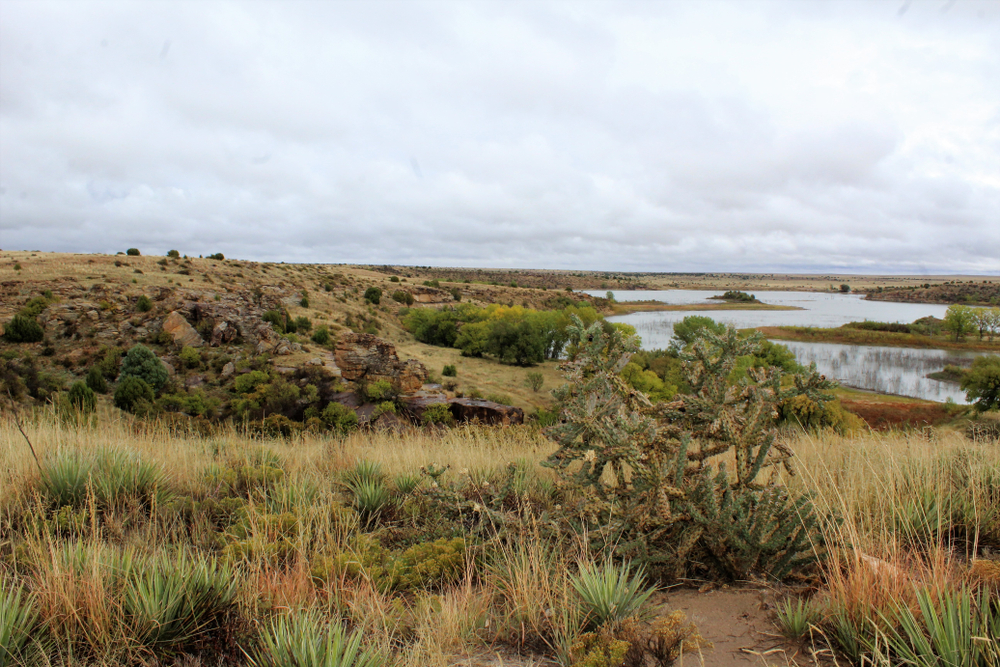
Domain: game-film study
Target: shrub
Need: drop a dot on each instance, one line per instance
(217, 256)
(22, 329)
(340, 418)
(304, 301)
(133, 252)
(140, 362)
(303, 324)
(111, 477)
(439, 413)
(131, 392)
(95, 380)
(173, 254)
(379, 390)
(190, 357)
(373, 295)
(402, 296)
(248, 382)
(321, 336)
(277, 319)
(449, 371)
(456, 294)
(393, 279)
(535, 380)
(981, 383)
(689, 328)
(82, 398)
(143, 304)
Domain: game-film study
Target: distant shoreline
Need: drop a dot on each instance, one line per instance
(629, 307)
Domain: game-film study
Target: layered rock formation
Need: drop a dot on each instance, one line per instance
(366, 357)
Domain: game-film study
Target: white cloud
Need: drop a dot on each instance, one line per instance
(653, 136)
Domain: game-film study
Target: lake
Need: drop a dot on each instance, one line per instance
(888, 370)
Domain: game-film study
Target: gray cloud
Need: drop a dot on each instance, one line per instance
(632, 136)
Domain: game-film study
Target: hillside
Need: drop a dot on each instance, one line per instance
(969, 292)
(96, 305)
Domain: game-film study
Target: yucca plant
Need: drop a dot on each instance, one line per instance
(956, 628)
(609, 592)
(288, 497)
(370, 497)
(364, 471)
(19, 624)
(64, 480)
(174, 602)
(307, 640)
(406, 483)
(795, 617)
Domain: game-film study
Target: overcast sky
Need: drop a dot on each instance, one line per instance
(664, 136)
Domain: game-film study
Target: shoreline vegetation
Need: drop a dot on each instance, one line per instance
(846, 335)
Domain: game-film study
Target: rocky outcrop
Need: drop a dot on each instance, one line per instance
(182, 332)
(486, 412)
(369, 358)
(416, 404)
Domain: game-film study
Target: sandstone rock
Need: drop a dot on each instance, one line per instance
(228, 371)
(416, 403)
(182, 332)
(170, 367)
(486, 412)
(193, 381)
(368, 357)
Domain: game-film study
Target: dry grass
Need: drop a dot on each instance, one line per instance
(520, 596)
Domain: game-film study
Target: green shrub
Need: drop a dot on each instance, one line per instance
(280, 426)
(982, 383)
(110, 362)
(217, 256)
(278, 320)
(321, 336)
(133, 252)
(305, 639)
(143, 304)
(430, 564)
(449, 371)
(339, 418)
(140, 362)
(95, 380)
(402, 296)
(535, 380)
(248, 382)
(304, 301)
(439, 413)
(373, 295)
(379, 390)
(456, 294)
(82, 398)
(131, 393)
(393, 279)
(190, 357)
(173, 254)
(22, 329)
(303, 324)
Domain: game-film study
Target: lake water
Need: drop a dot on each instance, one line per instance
(889, 370)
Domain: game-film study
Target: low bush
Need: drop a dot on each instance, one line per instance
(133, 252)
(133, 394)
(23, 329)
(95, 380)
(402, 296)
(449, 371)
(321, 336)
(190, 357)
(140, 362)
(339, 418)
(373, 295)
(439, 413)
(82, 398)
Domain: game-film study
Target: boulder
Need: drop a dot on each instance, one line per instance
(367, 357)
(416, 403)
(182, 332)
(228, 371)
(485, 412)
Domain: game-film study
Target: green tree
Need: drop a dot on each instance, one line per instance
(173, 254)
(133, 252)
(959, 320)
(131, 393)
(23, 329)
(82, 397)
(690, 328)
(373, 295)
(982, 383)
(140, 362)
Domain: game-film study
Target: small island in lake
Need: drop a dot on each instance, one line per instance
(736, 296)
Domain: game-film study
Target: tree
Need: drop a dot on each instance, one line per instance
(23, 329)
(133, 252)
(845, 288)
(373, 295)
(140, 362)
(986, 321)
(982, 383)
(688, 329)
(173, 254)
(132, 392)
(82, 397)
(959, 320)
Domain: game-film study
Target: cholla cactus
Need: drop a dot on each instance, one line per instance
(654, 479)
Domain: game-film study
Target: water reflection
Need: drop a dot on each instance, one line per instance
(891, 370)
(887, 370)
